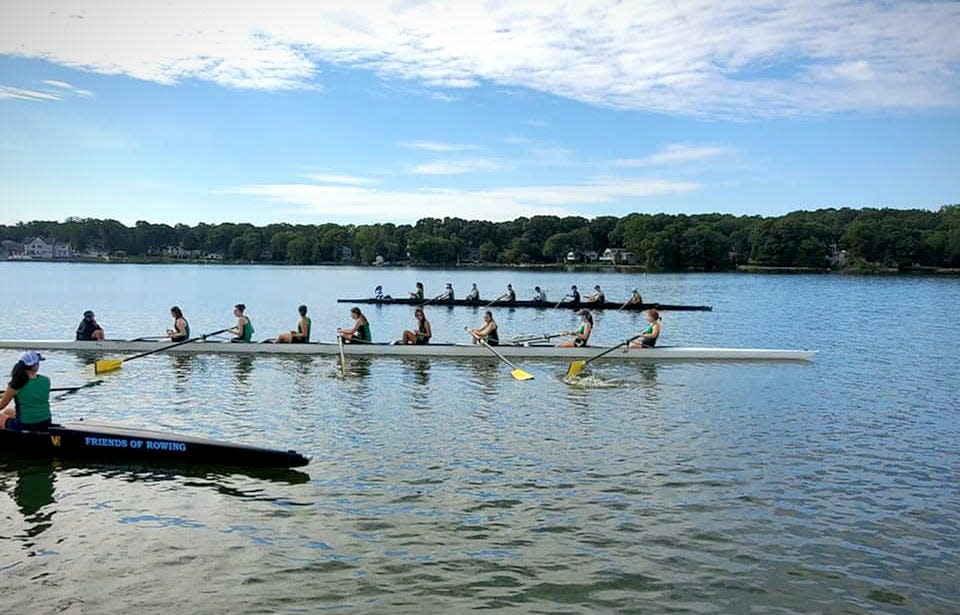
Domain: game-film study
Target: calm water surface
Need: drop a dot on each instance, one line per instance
(446, 486)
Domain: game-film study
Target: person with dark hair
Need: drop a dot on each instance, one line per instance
(243, 332)
(360, 331)
(422, 334)
(302, 333)
(510, 295)
(597, 296)
(89, 330)
(448, 294)
(30, 392)
(181, 328)
(539, 295)
(488, 332)
(574, 294)
(474, 294)
(648, 339)
(418, 293)
(582, 335)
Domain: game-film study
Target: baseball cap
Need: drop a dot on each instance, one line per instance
(31, 358)
(88, 314)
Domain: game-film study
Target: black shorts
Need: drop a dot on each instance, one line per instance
(421, 341)
(579, 343)
(15, 425)
(299, 339)
(648, 343)
(179, 338)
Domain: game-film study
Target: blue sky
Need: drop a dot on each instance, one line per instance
(391, 111)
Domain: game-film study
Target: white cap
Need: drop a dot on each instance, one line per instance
(31, 358)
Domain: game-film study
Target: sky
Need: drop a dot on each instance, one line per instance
(390, 111)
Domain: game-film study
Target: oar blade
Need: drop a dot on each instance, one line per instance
(519, 374)
(575, 368)
(107, 365)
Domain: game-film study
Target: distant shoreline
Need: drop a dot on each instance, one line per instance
(859, 269)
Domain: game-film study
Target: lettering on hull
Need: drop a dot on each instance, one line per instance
(150, 445)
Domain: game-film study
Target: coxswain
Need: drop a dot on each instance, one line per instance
(596, 296)
(360, 331)
(510, 294)
(539, 295)
(488, 332)
(582, 335)
(635, 298)
(243, 332)
(89, 329)
(648, 339)
(180, 332)
(423, 332)
(447, 294)
(474, 294)
(302, 333)
(30, 392)
(418, 294)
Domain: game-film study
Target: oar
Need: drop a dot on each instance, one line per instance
(343, 358)
(576, 366)
(625, 304)
(108, 365)
(504, 295)
(76, 388)
(522, 339)
(561, 301)
(441, 295)
(149, 338)
(516, 372)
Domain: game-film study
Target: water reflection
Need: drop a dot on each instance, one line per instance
(33, 494)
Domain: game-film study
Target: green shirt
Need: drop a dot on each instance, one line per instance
(33, 401)
(247, 333)
(300, 332)
(363, 333)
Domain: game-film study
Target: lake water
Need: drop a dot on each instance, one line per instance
(446, 486)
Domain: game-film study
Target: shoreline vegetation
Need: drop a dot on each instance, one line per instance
(868, 241)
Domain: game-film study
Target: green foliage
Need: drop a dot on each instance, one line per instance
(872, 239)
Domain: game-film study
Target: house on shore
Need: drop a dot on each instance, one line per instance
(38, 247)
(618, 256)
(9, 248)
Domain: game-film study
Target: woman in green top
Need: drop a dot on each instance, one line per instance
(423, 332)
(244, 329)
(30, 393)
(181, 328)
(488, 332)
(418, 294)
(648, 339)
(302, 334)
(582, 335)
(360, 331)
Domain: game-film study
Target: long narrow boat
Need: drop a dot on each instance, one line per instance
(526, 351)
(98, 442)
(571, 305)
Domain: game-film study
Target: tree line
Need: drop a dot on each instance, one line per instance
(904, 239)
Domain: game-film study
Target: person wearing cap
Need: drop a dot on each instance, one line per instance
(510, 294)
(635, 298)
(539, 295)
(474, 294)
(448, 293)
(378, 293)
(243, 332)
(574, 294)
(30, 392)
(582, 335)
(597, 296)
(89, 330)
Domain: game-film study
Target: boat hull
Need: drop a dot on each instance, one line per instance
(110, 443)
(532, 351)
(570, 305)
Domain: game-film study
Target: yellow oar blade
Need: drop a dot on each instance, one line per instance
(106, 365)
(519, 374)
(575, 368)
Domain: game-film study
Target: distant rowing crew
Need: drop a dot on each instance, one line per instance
(539, 295)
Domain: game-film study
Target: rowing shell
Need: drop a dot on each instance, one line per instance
(95, 441)
(570, 305)
(520, 351)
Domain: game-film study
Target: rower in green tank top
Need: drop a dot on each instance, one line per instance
(181, 328)
(648, 339)
(582, 335)
(302, 334)
(360, 331)
(243, 332)
(30, 392)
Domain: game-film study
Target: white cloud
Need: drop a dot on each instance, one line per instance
(676, 153)
(491, 204)
(437, 146)
(350, 180)
(752, 58)
(63, 85)
(11, 93)
(456, 167)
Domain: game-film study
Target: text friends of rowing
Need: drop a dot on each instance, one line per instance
(151, 445)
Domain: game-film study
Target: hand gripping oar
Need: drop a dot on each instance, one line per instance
(495, 300)
(576, 366)
(516, 372)
(108, 365)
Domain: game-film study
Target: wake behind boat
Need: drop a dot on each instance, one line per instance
(437, 350)
(99, 442)
(570, 305)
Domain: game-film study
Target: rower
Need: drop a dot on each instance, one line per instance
(447, 294)
(635, 298)
(30, 392)
(423, 332)
(648, 339)
(302, 334)
(574, 294)
(488, 332)
(418, 293)
(360, 331)
(510, 295)
(582, 335)
(89, 329)
(597, 296)
(243, 332)
(539, 296)
(181, 328)
(378, 293)
(474, 294)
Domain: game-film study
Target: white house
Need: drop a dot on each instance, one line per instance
(42, 248)
(618, 256)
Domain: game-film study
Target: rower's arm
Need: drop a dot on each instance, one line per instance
(8, 396)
